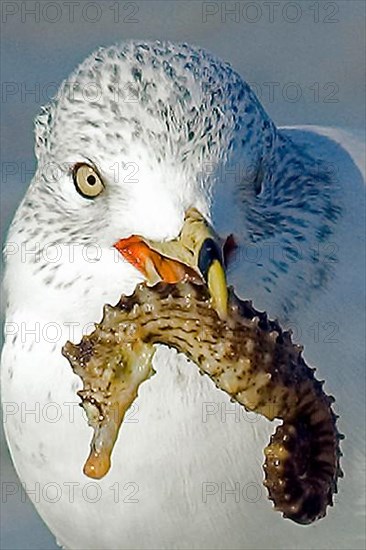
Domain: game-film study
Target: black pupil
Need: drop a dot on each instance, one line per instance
(91, 180)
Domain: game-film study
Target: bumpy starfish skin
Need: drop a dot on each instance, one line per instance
(247, 355)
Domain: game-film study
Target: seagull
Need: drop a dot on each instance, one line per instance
(140, 133)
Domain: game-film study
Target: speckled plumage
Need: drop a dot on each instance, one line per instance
(168, 127)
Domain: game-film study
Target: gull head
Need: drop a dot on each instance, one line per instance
(138, 135)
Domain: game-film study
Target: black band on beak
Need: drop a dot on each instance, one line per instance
(208, 253)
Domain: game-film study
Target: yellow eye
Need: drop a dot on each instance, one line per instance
(87, 181)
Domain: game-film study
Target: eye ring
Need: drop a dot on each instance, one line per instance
(87, 181)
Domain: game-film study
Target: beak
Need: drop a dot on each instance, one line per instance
(195, 255)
